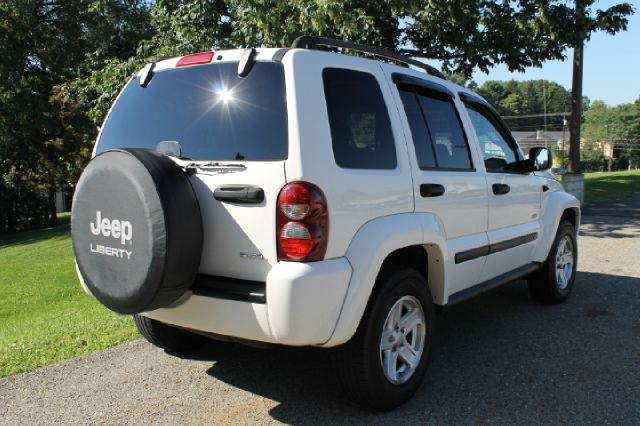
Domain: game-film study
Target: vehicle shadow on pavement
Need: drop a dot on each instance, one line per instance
(497, 358)
(610, 227)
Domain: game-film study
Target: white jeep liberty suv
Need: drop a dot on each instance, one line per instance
(305, 197)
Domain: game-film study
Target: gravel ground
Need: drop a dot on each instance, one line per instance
(499, 358)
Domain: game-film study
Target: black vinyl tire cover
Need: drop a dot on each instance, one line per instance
(148, 252)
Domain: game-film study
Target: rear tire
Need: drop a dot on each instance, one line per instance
(171, 339)
(553, 282)
(372, 367)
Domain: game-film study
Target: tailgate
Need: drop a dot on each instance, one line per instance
(239, 238)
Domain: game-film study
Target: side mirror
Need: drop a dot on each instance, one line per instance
(539, 159)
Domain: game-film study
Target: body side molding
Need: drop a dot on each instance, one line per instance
(474, 253)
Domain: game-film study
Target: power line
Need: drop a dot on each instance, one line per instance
(537, 126)
(550, 114)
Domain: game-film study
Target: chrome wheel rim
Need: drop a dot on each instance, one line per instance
(402, 342)
(564, 262)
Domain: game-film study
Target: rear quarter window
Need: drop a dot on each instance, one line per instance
(361, 132)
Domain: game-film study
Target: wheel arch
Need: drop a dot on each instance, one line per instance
(571, 214)
(404, 239)
(426, 259)
(556, 207)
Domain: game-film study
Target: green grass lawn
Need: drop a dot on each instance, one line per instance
(45, 317)
(602, 187)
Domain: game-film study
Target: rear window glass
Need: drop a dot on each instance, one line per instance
(208, 109)
(360, 127)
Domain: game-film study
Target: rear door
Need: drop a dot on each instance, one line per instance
(445, 179)
(233, 133)
(514, 197)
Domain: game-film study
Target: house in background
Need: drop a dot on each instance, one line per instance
(63, 203)
(528, 140)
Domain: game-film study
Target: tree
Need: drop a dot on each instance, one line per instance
(619, 125)
(43, 44)
(595, 121)
(513, 98)
(278, 23)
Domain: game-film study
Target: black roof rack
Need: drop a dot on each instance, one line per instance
(312, 42)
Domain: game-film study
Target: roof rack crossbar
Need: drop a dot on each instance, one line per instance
(312, 42)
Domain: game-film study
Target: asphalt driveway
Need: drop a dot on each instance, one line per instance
(499, 358)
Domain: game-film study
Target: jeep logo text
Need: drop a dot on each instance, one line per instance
(118, 229)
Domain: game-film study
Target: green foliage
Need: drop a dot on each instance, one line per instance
(278, 23)
(620, 125)
(45, 138)
(470, 34)
(559, 158)
(528, 97)
(45, 317)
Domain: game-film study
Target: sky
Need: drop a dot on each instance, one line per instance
(611, 64)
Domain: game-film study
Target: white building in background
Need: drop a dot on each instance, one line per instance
(61, 202)
(528, 140)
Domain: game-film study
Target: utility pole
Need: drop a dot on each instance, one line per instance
(611, 145)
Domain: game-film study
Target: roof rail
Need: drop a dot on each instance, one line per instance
(312, 42)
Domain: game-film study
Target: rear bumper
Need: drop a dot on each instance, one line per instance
(303, 303)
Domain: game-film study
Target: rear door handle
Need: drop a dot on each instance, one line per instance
(501, 188)
(244, 194)
(428, 190)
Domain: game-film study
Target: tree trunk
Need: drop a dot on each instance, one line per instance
(576, 97)
(576, 110)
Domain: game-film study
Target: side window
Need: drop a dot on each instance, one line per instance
(499, 155)
(360, 126)
(419, 131)
(437, 133)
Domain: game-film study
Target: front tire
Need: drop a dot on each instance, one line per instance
(554, 281)
(384, 363)
(171, 339)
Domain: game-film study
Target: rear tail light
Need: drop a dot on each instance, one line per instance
(196, 58)
(302, 222)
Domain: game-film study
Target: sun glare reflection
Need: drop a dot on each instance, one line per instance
(225, 95)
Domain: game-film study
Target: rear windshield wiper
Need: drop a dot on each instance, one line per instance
(193, 167)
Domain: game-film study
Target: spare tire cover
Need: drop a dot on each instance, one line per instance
(136, 230)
